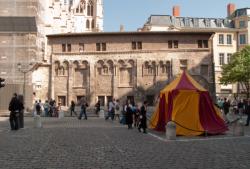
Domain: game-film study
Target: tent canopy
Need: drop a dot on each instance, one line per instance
(189, 105)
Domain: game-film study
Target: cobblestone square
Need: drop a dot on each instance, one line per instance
(99, 144)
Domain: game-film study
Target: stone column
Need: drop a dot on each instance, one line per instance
(92, 79)
(52, 81)
(115, 82)
(70, 82)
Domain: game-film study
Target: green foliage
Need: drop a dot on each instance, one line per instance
(238, 70)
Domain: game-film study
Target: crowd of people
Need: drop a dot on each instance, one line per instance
(236, 106)
(129, 113)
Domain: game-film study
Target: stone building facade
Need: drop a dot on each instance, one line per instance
(231, 35)
(121, 65)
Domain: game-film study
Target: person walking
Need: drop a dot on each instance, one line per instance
(72, 108)
(111, 110)
(143, 118)
(84, 106)
(14, 108)
(248, 112)
(46, 108)
(136, 116)
(38, 108)
(97, 107)
(226, 106)
(117, 109)
(129, 114)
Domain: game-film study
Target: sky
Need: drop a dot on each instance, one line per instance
(132, 14)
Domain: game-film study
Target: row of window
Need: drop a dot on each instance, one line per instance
(135, 45)
(228, 39)
(223, 60)
(242, 39)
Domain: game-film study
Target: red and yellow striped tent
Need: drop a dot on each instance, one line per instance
(189, 105)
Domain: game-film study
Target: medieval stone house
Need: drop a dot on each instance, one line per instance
(121, 65)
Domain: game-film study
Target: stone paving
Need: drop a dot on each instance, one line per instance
(99, 144)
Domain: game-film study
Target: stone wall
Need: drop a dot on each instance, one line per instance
(120, 71)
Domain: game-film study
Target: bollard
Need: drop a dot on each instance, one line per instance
(101, 114)
(37, 121)
(171, 130)
(61, 115)
(238, 128)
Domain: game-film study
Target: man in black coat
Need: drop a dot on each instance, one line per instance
(15, 107)
(143, 117)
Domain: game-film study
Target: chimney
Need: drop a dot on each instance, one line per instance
(176, 11)
(121, 28)
(230, 9)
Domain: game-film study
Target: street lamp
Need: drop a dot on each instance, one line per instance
(25, 68)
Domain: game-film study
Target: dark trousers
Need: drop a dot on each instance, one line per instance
(85, 115)
(111, 114)
(143, 124)
(13, 121)
(72, 111)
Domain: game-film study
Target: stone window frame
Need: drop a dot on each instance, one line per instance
(81, 7)
(229, 39)
(101, 46)
(90, 8)
(87, 24)
(221, 59)
(93, 23)
(229, 57)
(104, 68)
(66, 47)
(81, 47)
(149, 68)
(202, 43)
(173, 44)
(61, 69)
(221, 39)
(80, 65)
(126, 64)
(136, 45)
(164, 68)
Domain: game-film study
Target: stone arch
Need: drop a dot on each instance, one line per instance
(93, 24)
(87, 24)
(121, 63)
(99, 63)
(76, 64)
(131, 63)
(85, 64)
(65, 68)
(57, 67)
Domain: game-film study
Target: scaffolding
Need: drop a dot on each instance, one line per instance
(18, 45)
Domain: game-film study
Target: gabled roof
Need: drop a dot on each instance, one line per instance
(18, 24)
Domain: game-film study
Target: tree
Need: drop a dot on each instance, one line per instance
(238, 70)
